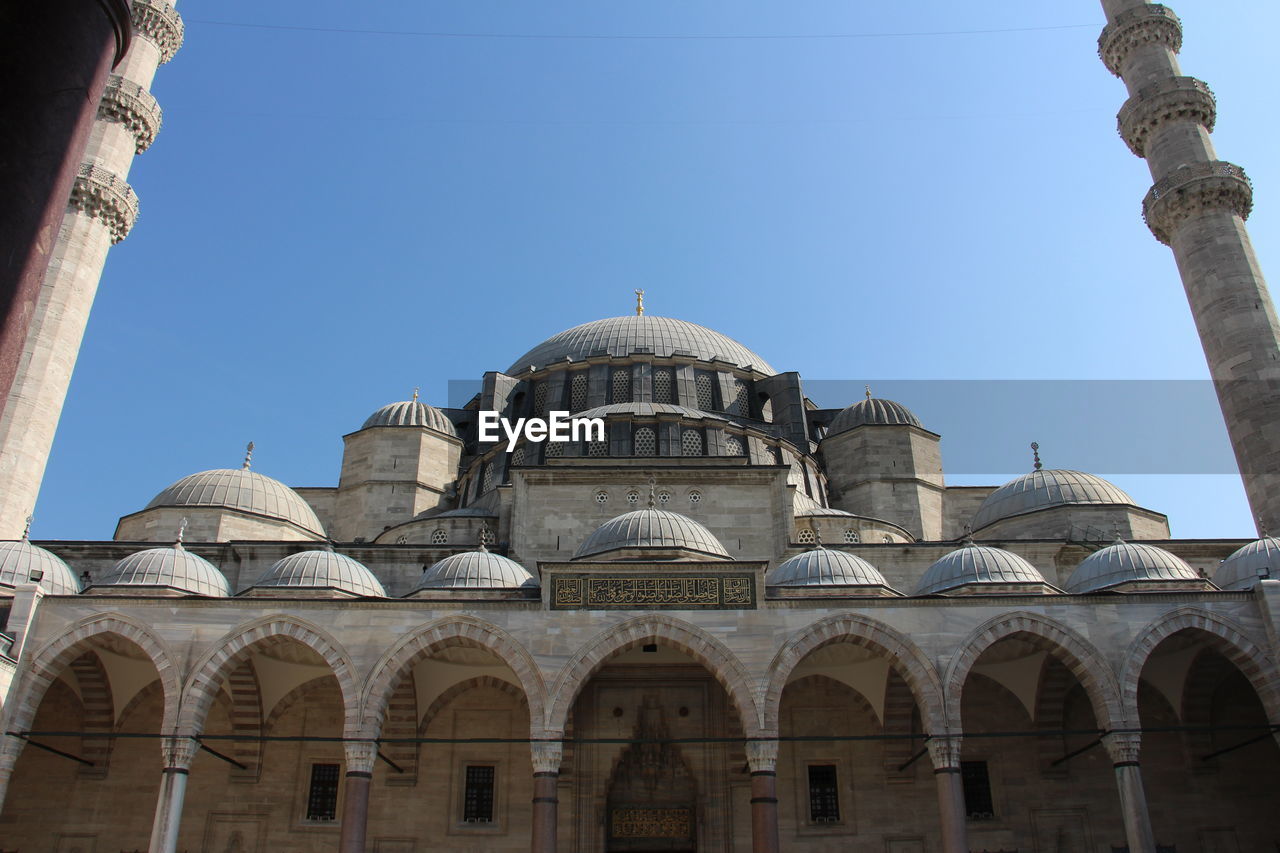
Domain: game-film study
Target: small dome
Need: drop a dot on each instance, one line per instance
(243, 490)
(644, 333)
(173, 568)
(1244, 568)
(872, 411)
(1044, 489)
(977, 564)
(411, 413)
(1128, 562)
(651, 530)
(476, 570)
(322, 570)
(19, 559)
(823, 567)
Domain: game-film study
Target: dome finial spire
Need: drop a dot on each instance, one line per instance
(967, 539)
(248, 456)
(652, 496)
(182, 532)
(868, 387)
(480, 546)
(415, 395)
(639, 303)
(817, 536)
(26, 529)
(1035, 454)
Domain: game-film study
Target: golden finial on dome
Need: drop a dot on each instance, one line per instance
(415, 395)
(868, 387)
(1035, 454)
(639, 303)
(248, 456)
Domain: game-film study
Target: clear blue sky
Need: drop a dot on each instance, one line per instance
(330, 218)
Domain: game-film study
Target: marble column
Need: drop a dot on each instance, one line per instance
(547, 755)
(178, 753)
(944, 752)
(1123, 748)
(762, 758)
(361, 754)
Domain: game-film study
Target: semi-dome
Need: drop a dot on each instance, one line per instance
(411, 413)
(824, 567)
(652, 530)
(476, 570)
(639, 333)
(174, 568)
(978, 564)
(1047, 488)
(322, 570)
(243, 490)
(1129, 562)
(872, 411)
(1255, 561)
(19, 559)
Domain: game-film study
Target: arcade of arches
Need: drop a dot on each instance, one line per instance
(795, 729)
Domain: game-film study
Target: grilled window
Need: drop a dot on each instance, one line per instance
(646, 442)
(322, 796)
(540, 399)
(622, 385)
(740, 405)
(733, 446)
(824, 794)
(487, 478)
(599, 447)
(851, 536)
(691, 443)
(805, 536)
(662, 386)
(554, 449)
(977, 790)
(439, 536)
(477, 797)
(486, 536)
(578, 391)
(517, 456)
(706, 396)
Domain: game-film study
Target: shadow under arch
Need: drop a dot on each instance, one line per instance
(1223, 636)
(723, 665)
(1079, 655)
(235, 646)
(57, 654)
(904, 656)
(442, 633)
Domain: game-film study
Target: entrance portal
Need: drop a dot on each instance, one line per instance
(652, 802)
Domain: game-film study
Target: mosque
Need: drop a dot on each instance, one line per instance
(736, 622)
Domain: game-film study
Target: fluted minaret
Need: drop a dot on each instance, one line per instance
(1197, 207)
(101, 210)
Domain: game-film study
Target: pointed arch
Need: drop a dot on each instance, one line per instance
(58, 653)
(228, 652)
(904, 656)
(442, 701)
(1227, 638)
(288, 700)
(654, 627)
(458, 630)
(246, 715)
(99, 712)
(1078, 654)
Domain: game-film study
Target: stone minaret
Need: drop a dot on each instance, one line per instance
(100, 212)
(1197, 207)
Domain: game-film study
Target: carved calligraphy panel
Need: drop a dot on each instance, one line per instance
(651, 823)
(653, 592)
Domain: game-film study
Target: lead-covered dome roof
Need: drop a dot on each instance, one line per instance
(322, 570)
(824, 567)
(639, 333)
(411, 413)
(173, 568)
(243, 490)
(476, 570)
(1047, 488)
(19, 559)
(1243, 569)
(654, 530)
(977, 564)
(1129, 562)
(872, 411)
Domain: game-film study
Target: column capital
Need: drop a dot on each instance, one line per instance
(547, 755)
(102, 195)
(159, 23)
(1133, 28)
(1193, 189)
(360, 755)
(762, 755)
(179, 751)
(944, 751)
(126, 102)
(1123, 747)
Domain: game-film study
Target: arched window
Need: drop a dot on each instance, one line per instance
(486, 482)
(517, 455)
(733, 446)
(578, 391)
(805, 536)
(706, 396)
(540, 399)
(691, 442)
(622, 385)
(740, 404)
(599, 447)
(554, 449)
(439, 536)
(646, 442)
(663, 385)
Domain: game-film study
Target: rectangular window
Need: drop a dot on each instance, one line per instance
(322, 796)
(824, 794)
(977, 790)
(477, 797)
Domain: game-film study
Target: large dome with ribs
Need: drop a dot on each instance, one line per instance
(658, 336)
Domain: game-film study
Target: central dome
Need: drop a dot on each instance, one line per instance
(659, 336)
